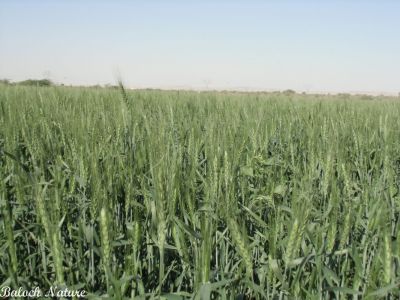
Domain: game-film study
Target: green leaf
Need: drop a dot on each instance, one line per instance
(344, 290)
(384, 291)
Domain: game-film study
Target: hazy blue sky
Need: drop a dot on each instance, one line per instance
(302, 45)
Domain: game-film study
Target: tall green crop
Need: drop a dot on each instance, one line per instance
(199, 195)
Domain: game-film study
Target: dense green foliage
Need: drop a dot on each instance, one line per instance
(29, 82)
(36, 82)
(217, 195)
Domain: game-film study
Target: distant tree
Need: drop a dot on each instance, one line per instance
(5, 81)
(36, 82)
(289, 92)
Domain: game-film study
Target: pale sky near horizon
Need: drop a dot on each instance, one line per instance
(305, 45)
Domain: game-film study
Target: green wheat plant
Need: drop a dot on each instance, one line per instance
(199, 195)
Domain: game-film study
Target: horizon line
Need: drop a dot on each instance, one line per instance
(199, 88)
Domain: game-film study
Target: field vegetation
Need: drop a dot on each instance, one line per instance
(199, 195)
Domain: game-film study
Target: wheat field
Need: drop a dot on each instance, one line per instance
(211, 195)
